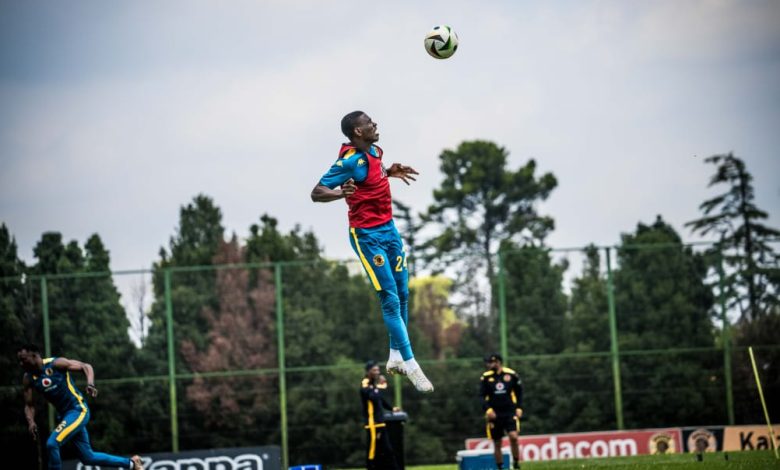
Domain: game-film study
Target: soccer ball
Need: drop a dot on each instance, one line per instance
(441, 42)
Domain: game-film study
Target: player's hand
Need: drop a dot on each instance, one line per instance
(403, 172)
(92, 390)
(490, 415)
(33, 428)
(348, 188)
(519, 412)
(396, 408)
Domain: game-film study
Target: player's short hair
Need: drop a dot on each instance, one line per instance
(349, 122)
(29, 347)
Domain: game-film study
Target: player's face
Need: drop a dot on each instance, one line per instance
(27, 359)
(374, 372)
(366, 129)
(492, 365)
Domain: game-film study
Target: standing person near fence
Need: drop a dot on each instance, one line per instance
(379, 452)
(359, 176)
(51, 378)
(502, 399)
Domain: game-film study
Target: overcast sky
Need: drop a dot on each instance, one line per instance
(115, 114)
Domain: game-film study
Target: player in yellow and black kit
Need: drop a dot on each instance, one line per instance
(379, 452)
(502, 401)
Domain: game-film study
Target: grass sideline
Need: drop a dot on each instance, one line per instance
(752, 460)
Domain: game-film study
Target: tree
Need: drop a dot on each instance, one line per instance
(434, 316)
(19, 323)
(240, 337)
(411, 224)
(753, 279)
(663, 302)
(481, 202)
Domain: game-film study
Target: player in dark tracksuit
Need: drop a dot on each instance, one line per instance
(379, 452)
(502, 400)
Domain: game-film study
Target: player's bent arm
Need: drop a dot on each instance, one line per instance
(73, 365)
(29, 405)
(322, 193)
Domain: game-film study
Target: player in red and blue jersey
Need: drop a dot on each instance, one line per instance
(359, 176)
(51, 378)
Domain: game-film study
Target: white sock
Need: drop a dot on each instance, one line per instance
(411, 364)
(395, 355)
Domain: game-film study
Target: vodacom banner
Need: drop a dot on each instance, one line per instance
(591, 444)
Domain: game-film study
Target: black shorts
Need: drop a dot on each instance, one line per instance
(502, 424)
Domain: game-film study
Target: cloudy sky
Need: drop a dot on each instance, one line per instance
(114, 114)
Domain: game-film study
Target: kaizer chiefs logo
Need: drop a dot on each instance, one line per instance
(661, 443)
(46, 382)
(379, 260)
(702, 440)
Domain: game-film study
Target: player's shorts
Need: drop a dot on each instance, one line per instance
(381, 253)
(502, 424)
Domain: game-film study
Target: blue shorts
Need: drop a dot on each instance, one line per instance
(382, 255)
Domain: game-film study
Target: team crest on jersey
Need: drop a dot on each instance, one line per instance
(507, 377)
(46, 382)
(49, 371)
(379, 260)
(361, 162)
(499, 386)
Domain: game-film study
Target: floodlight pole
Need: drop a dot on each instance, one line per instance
(171, 362)
(46, 335)
(502, 307)
(280, 354)
(614, 342)
(726, 337)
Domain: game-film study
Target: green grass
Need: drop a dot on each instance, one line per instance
(754, 460)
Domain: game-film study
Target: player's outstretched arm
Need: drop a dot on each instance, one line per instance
(73, 365)
(322, 193)
(29, 408)
(403, 172)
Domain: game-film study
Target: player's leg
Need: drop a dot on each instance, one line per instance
(71, 423)
(398, 267)
(513, 443)
(90, 457)
(385, 450)
(367, 245)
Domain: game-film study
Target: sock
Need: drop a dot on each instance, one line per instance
(395, 355)
(411, 364)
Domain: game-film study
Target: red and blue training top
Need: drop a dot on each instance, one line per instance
(371, 204)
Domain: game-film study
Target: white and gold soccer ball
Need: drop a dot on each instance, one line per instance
(441, 42)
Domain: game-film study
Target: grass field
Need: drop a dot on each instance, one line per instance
(755, 460)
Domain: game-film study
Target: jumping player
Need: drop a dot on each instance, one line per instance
(359, 176)
(51, 377)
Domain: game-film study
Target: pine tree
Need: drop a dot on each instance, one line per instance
(745, 243)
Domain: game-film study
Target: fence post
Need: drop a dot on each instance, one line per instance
(46, 335)
(726, 338)
(502, 307)
(614, 343)
(280, 347)
(171, 361)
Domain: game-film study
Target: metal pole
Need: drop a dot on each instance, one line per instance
(726, 338)
(280, 347)
(171, 362)
(46, 335)
(614, 343)
(397, 390)
(502, 307)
